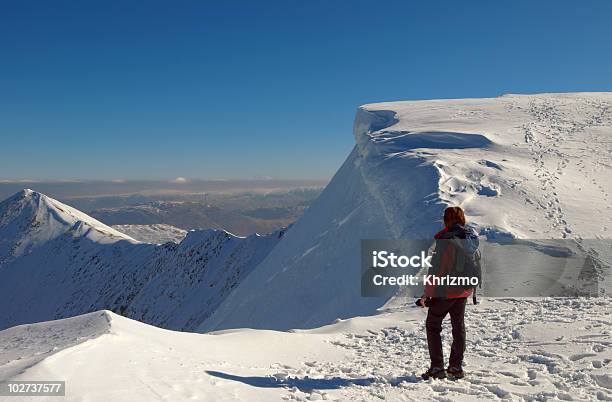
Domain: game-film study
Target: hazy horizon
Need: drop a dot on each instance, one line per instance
(66, 189)
(103, 90)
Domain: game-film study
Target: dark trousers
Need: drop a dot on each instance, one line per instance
(438, 309)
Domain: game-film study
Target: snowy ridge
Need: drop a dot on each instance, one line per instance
(521, 166)
(194, 277)
(60, 262)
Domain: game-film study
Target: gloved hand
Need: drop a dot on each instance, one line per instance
(423, 302)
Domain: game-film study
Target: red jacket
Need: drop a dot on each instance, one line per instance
(446, 263)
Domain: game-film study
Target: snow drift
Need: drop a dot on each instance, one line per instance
(521, 166)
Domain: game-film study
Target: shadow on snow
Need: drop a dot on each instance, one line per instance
(306, 384)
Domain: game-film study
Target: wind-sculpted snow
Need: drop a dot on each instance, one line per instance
(59, 262)
(405, 141)
(521, 166)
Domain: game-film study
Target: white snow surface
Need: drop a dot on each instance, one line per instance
(158, 233)
(536, 349)
(521, 166)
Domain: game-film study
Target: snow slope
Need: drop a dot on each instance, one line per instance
(538, 349)
(156, 233)
(58, 262)
(525, 166)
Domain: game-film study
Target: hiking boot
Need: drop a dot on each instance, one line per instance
(455, 373)
(435, 373)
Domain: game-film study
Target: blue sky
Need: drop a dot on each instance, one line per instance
(155, 90)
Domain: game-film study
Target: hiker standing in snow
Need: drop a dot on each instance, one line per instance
(456, 254)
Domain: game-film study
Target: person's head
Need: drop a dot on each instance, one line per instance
(453, 215)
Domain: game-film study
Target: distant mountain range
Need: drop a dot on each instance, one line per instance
(193, 215)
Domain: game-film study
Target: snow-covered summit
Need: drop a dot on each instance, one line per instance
(29, 219)
(523, 166)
